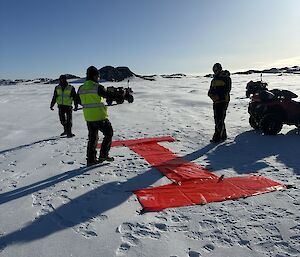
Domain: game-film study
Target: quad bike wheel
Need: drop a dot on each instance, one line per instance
(271, 124)
(253, 123)
(109, 101)
(130, 99)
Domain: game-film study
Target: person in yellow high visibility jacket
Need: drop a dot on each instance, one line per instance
(64, 95)
(219, 92)
(90, 96)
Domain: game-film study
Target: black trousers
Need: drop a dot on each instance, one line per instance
(65, 116)
(93, 127)
(219, 116)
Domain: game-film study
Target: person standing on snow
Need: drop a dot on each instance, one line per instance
(90, 96)
(219, 92)
(64, 95)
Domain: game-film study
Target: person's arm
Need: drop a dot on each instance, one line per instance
(102, 91)
(212, 92)
(53, 101)
(78, 100)
(229, 84)
(75, 99)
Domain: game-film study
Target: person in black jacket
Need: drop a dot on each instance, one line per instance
(64, 95)
(219, 92)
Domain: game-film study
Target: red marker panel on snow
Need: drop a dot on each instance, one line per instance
(169, 164)
(193, 183)
(197, 192)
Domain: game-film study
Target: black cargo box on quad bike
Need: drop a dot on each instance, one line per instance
(270, 109)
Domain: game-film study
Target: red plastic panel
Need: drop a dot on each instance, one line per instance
(130, 142)
(194, 184)
(201, 192)
(173, 167)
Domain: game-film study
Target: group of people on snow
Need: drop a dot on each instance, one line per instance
(90, 96)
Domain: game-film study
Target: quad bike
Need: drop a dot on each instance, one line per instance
(270, 109)
(119, 94)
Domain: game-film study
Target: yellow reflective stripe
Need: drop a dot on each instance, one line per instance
(218, 83)
(65, 94)
(88, 91)
(93, 105)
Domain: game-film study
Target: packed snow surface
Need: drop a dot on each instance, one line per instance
(52, 205)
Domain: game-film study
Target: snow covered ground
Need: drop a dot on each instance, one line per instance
(50, 205)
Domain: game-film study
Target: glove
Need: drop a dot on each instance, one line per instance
(214, 97)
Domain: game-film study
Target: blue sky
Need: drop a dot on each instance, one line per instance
(42, 38)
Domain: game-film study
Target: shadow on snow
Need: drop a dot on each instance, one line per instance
(30, 144)
(251, 145)
(247, 152)
(78, 210)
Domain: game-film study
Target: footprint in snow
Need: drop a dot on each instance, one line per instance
(68, 162)
(196, 235)
(208, 247)
(86, 230)
(132, 233)
(13, 163)
(179, 218)
(193, 254)
(123, 249)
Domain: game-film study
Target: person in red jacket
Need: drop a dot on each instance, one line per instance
(219, 92)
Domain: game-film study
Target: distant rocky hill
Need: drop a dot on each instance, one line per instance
(107, 73)
(289, 70)
(174, 76)
(17, 81)
(285, 70)
(110, 73)
(7, 82)
(56, 81)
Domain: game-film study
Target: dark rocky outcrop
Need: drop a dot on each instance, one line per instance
(7, 82)
(148, 77)
(110, 73)
(284, 70)
(287, 70)
(56, 81)
(174, 76)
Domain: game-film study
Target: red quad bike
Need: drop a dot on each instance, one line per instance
(270, 109)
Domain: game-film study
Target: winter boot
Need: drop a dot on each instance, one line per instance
(108, 158)
(65, 132)
(69, 132)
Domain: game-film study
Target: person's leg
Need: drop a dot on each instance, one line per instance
(106, 128)
(69, 122)
(92, 143)
(216, 108)
(62, 118)
(219, 117)
(223, 134)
